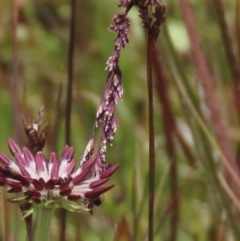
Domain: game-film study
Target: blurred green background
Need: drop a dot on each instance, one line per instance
(43, 34)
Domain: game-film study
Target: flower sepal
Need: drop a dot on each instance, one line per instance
(18, 200)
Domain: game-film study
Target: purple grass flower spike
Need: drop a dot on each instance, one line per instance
(42, 181)
(114, 89)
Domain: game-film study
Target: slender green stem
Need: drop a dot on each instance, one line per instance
(43, 225)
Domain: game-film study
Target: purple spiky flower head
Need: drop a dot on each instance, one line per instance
(49, 182)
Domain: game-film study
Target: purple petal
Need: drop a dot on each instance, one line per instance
(28, 155)
(67, 153)
(65, 192)
(65, 184)
(80, 177)
(21, 160)
(55, 166)
(23, 164)
(33, 193)
(73, 197)
(4, 159)
(40, 159)
(109, 171)
(24, 180)
(50, 184)
(98, 183)
(70, 167)
(41, 180)
(97, 191)
(15, 185)
(85, 170)
(88, 164)
(37, 185)
(14, 148)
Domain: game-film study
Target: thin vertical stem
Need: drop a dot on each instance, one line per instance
(227, 43)
(15, 101)
(134, 208)
(228, 48)
(4, 217)
(15, 93)
(237, 25)
(28, 221)
(57, 119)
(169, 127)
(151, 141)
(70, 73)
(63, 213)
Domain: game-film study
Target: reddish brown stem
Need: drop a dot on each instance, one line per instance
(169, 129)
(206, 82)
(151, 142)
(237, 25)
(185, 148)
(63, 212)
(15, 92)
(227, 43)
(70, 73)
(15, 98)
(228, 47)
